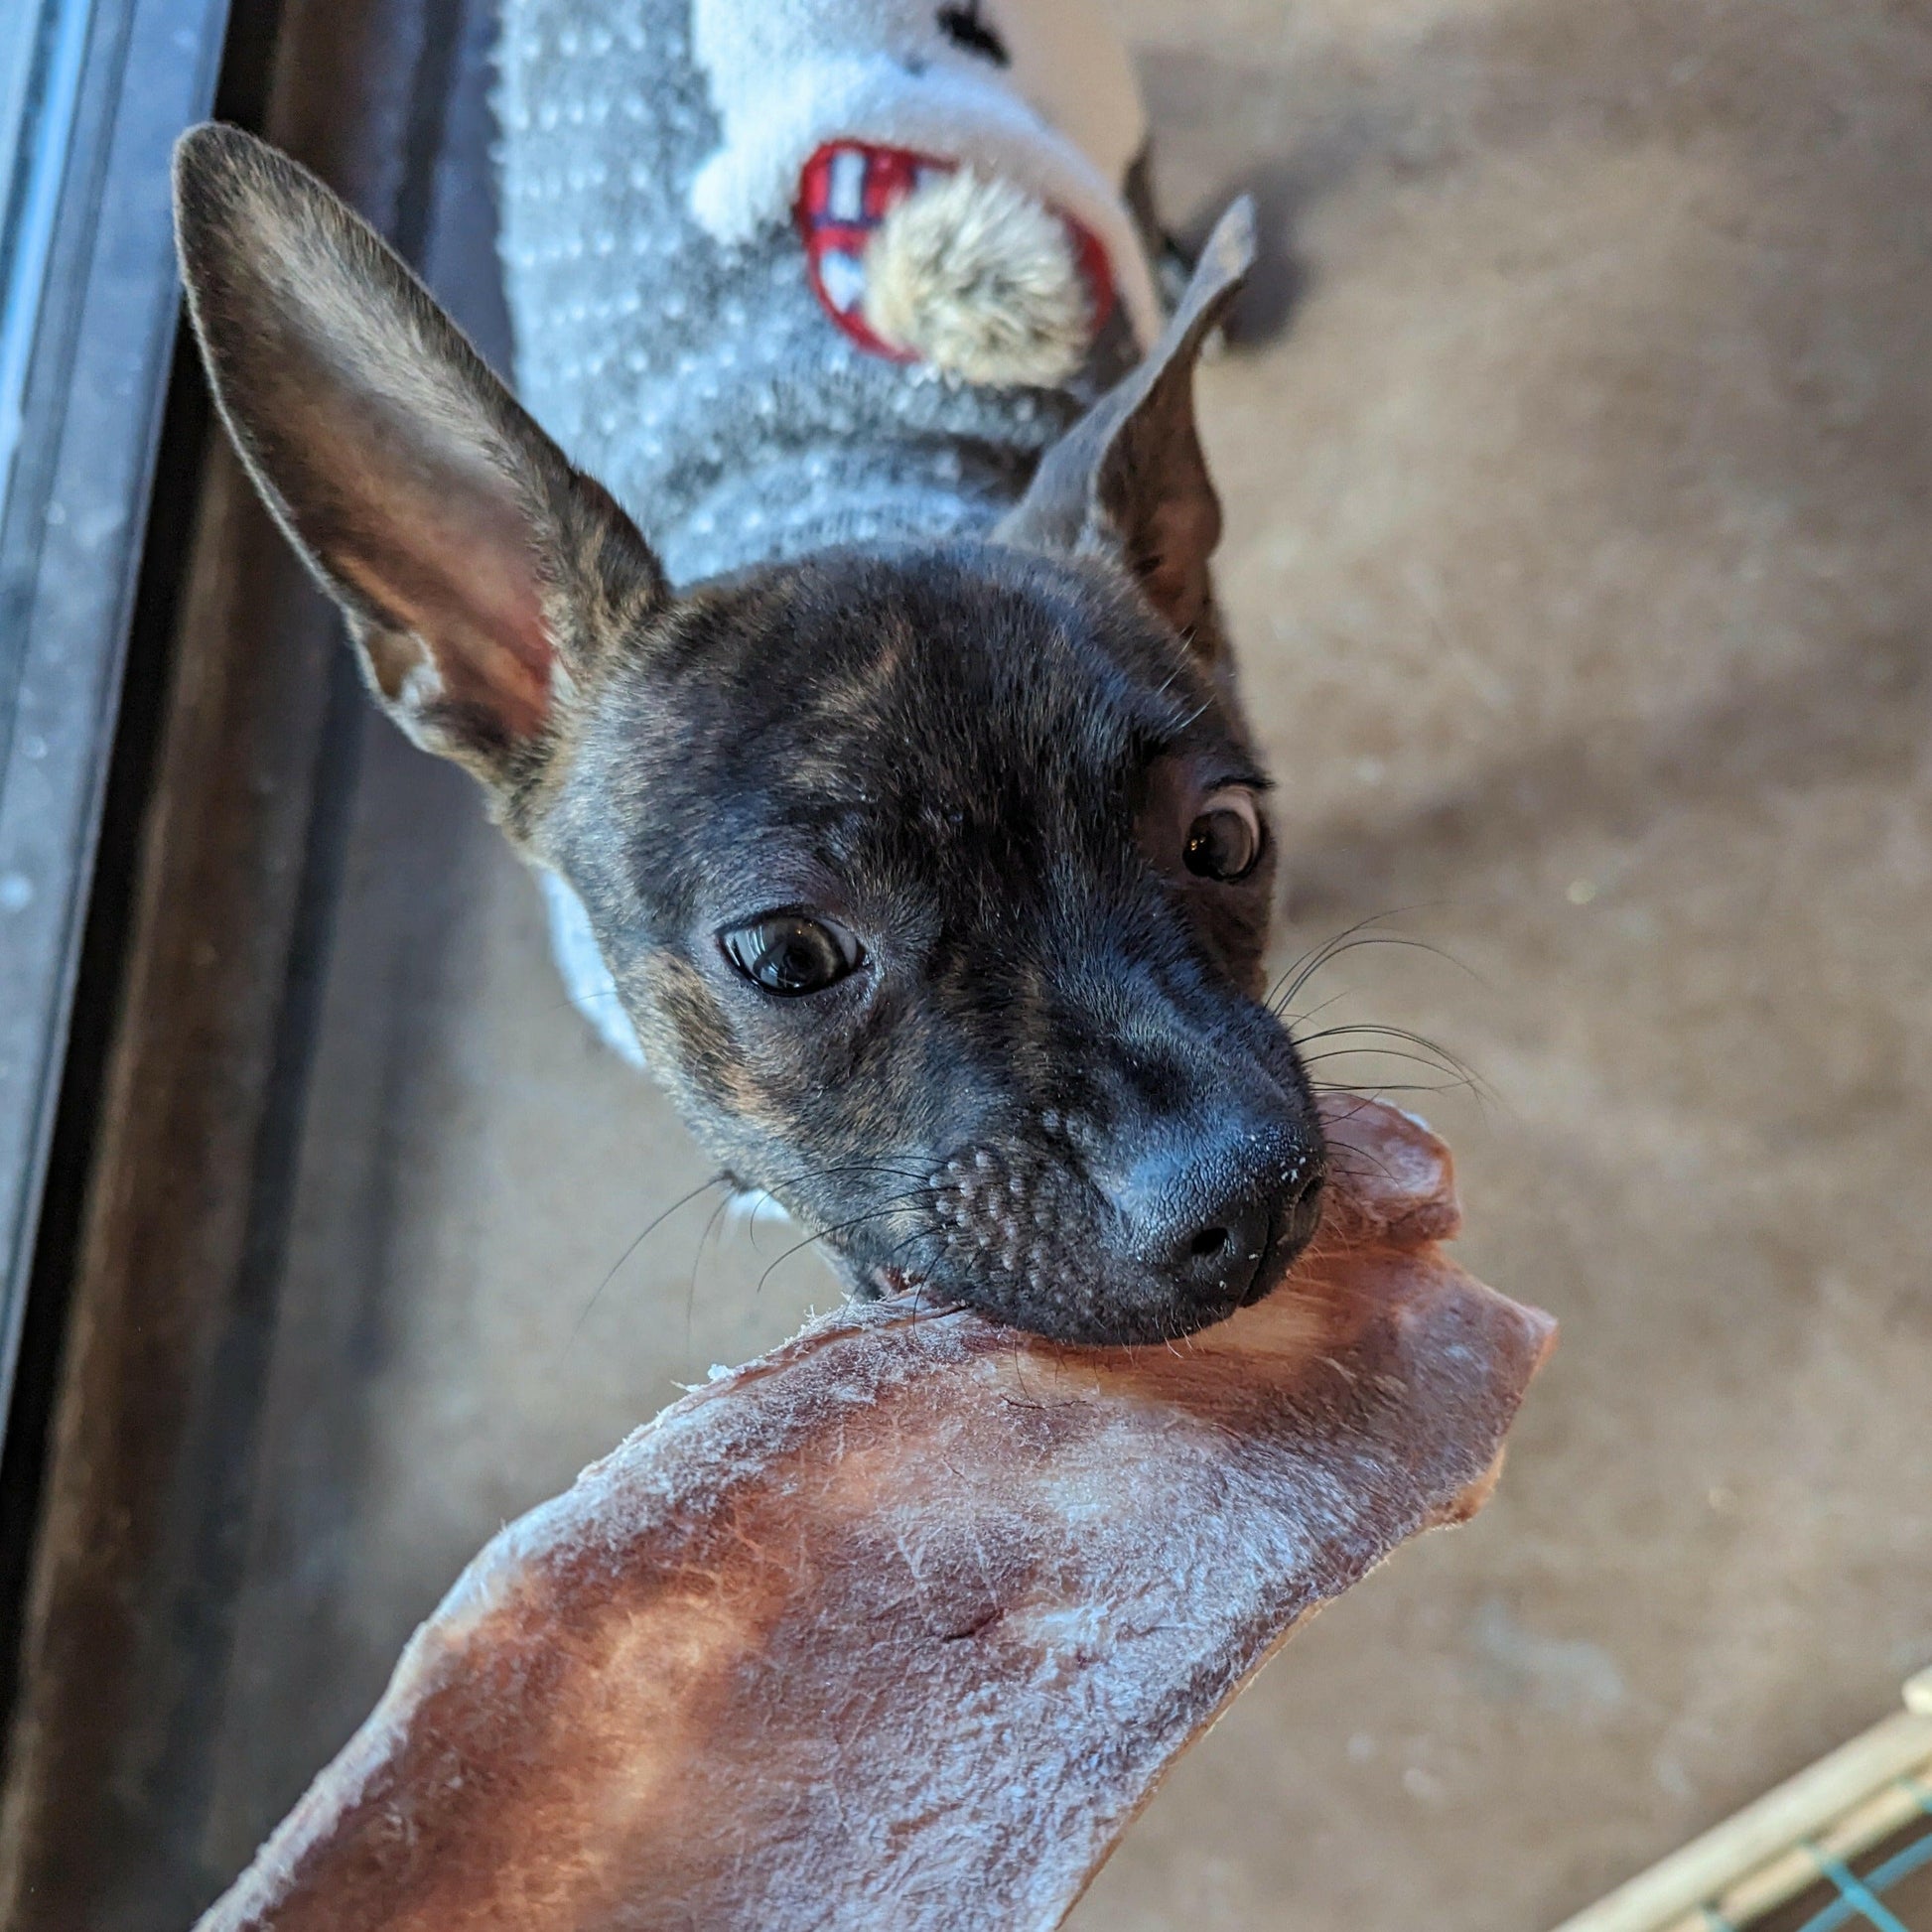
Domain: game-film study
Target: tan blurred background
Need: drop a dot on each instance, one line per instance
(1576, 459)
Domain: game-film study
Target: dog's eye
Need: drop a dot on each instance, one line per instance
(788, 953)
(1224, 841)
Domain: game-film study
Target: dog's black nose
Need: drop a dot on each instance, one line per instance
(1221, 1220)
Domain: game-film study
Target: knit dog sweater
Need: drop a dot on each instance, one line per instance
(668, 331)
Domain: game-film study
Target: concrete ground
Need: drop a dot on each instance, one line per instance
(1576, 459)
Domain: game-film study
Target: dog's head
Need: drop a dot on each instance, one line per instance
(935, 879)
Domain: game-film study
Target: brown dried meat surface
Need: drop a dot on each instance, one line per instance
(899, 1624)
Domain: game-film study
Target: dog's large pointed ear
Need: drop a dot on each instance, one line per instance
(1129, 480)
(482, 577)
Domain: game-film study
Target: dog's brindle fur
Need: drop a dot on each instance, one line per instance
(1051, 1088)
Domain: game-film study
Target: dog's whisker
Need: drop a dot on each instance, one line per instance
(697, 1262)
(1320, 952)
(1381, 1053)
(823, 1171)
(1451, 1061)
(1292, 1020)
(1307, 964)
(1456, 1076)
(884, 1212)
(1381, 1088)
(651, 1228)
(1330, 954)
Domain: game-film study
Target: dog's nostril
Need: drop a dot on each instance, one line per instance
(1210, 1241)
(1304, 1190)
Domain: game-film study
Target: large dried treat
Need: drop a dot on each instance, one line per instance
(898, 1625)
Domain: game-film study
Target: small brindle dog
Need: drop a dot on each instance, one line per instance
(931, 869)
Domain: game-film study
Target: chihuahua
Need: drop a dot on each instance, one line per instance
(892, 753)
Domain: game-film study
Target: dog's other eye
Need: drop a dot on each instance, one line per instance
(788, 953)
(1224, 841)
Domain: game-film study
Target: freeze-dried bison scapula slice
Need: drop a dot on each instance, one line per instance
(899, 1624)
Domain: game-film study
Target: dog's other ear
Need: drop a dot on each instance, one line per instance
(480, 574)
(1129, 480)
